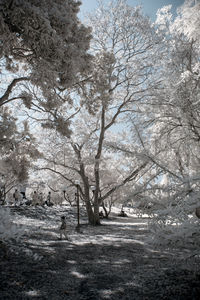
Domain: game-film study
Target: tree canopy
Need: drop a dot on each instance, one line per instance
(47, 38)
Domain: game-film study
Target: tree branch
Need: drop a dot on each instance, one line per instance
(10, 87)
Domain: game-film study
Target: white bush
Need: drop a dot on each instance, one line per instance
(176, 235)
(8, 229)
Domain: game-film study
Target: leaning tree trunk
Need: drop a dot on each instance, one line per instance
(105, 210)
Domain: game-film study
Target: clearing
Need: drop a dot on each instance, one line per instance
(111, 261)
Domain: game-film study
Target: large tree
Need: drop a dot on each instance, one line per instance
(121, 81)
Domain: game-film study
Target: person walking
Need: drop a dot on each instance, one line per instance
(63, 228)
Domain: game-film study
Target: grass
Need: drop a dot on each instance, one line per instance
(111, 261)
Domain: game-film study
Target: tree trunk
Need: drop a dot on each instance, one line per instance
(105, 210)
(90, 212)
(96, 212)
(92, 217)
(197, 211)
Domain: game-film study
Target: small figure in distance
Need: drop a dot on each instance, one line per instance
(48, 201)
(35, 198)
(16, 197)
(63, 228)
(101, 215)
(122, 213)
(49, 198)
(40, 198)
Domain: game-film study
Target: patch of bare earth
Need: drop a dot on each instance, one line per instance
(111, 261)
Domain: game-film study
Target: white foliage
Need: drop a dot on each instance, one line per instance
(164, 15)
(174, 130)
(185, 234)
(176, 223)
(188, 20)
(8, 229)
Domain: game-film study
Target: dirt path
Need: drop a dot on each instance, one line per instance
(111, 261)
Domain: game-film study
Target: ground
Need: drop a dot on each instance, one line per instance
(111, 261)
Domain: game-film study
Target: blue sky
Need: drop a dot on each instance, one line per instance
(150, 7)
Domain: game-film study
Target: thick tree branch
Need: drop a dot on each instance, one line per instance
(10, 87)
(131, 177)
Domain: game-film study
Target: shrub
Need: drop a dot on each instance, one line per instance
(8, 229)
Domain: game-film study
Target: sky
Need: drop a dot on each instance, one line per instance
(150, 7)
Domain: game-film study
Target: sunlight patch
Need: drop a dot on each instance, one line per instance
(29, 221)
(102, 261)
(78, 275)
(126, 223)
(73, 262)
(133, 284)
(107, 293)
(33, 293)
(122, 261)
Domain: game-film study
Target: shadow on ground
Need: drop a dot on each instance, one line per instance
(111, 261)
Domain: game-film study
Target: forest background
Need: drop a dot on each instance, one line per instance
(110, 107)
